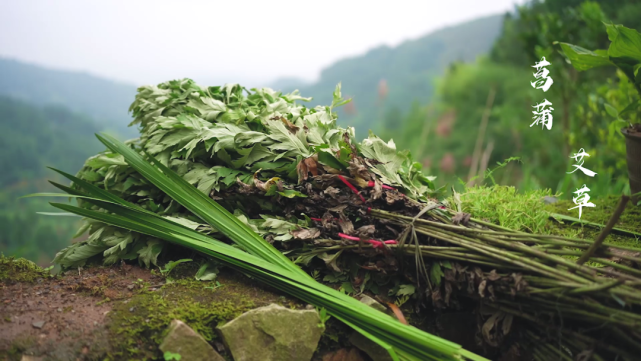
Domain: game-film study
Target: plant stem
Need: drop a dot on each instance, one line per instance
(604, 233)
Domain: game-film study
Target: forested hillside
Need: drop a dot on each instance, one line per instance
(444, 135)
(32, 138)
(104, 100)
(388, 80)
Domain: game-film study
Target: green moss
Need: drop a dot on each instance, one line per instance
(138, 325)
(20, 270)
(526, 211)
(630, 220)
(504, 205)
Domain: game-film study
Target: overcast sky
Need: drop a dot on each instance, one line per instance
(143, 42)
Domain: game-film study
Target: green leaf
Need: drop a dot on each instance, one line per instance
(631, 108)
(149, 253)
(347, 288)
(387, 330)
(172, 264)
(326, 158)
(253, 155)
(290, 193)
(625, 42)
(436, 274)
(197, 202)
(103, 160)
(611, 110)
(584, 59)
(207, 272)
(286, 141)
(185, 222)
(208, 108)
(375, 148)
(57, 214)
(337, 98)
(406, 290)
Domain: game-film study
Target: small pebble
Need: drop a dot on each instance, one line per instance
(38, 324)
(132, 309)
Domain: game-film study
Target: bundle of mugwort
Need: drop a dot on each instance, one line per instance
(289, 189)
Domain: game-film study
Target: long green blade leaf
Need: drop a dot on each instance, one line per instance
(263, 261)
(200, 204)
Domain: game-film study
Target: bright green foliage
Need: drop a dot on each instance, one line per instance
(581, 117)
(221, 139)
(624, 52)
(207, 272)
(32, 138)
(463, 93)
(171, 356)
(172, 264)
(505, 206)
(261, 261)
(20, 270)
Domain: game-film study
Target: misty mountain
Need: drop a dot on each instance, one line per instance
(406, 73)
(104, 100)
(34, 137)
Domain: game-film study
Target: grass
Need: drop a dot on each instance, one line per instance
(527, 212)
(630, 220)
(505, 206)
(20, 270)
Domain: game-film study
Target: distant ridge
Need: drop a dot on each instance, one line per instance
(408, 69)
(103, 100)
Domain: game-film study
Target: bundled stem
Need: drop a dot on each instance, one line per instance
(572, 296)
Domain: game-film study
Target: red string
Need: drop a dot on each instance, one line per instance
(374, 243)
(351, 187)
(371, 184)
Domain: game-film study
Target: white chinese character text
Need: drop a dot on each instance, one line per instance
(543, 81)
(543, 115)
(578, 157)
(582, 199)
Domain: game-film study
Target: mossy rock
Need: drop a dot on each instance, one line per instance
(122, 312)
(21, 270)
(273, 333)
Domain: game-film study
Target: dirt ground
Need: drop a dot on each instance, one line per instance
(64, 317)
(109, 313)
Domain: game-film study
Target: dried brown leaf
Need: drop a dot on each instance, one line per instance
(312, 166)
(493, 276)
(303, 233)
(347, 226)
(461, 218)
